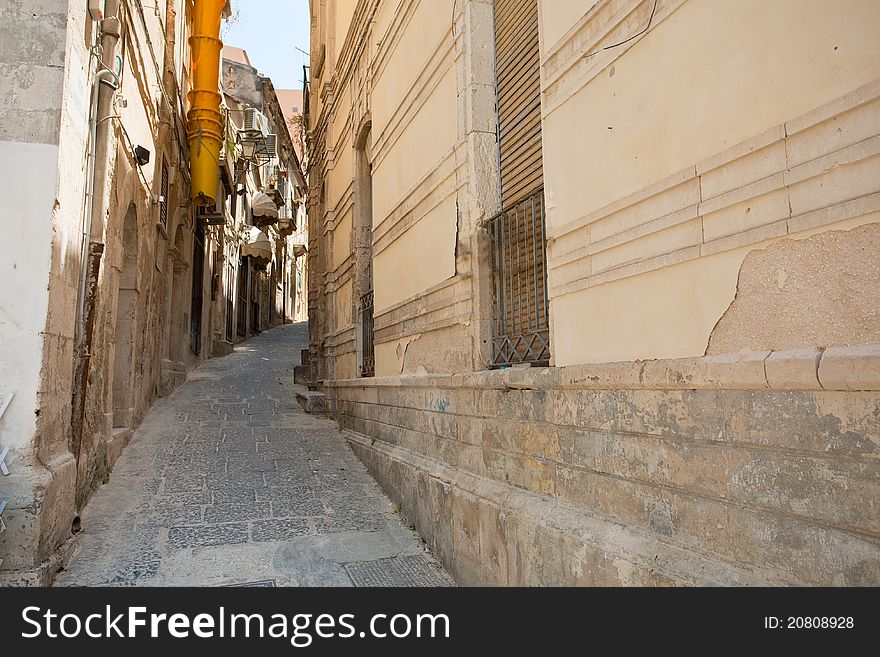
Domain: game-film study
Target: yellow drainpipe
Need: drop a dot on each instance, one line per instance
(203, 119)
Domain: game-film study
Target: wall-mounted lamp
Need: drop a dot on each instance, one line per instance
(254, 147)
(249, 143)
(142, 155)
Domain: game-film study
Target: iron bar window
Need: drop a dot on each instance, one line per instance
(521, 326)
(163, 192)
(368, 355)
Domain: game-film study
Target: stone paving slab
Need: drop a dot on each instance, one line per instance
(228, 482)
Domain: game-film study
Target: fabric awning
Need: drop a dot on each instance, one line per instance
(258, 246)
(262, 205)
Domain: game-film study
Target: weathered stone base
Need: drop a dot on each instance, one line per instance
(173, 375)
(497, 534)
(739, 470)
(38, 519)
(118, 442)
(222, 348)
(312, 402)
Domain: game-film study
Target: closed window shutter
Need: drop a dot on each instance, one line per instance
(518, 63)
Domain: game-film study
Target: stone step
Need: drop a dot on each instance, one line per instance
(120, 438)
(301, 375)
(312, 402)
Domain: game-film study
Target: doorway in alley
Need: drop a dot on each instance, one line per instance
(243, 284)
(362, 247)
(126, 319)
(198, 275)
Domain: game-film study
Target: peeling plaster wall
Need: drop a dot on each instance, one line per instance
(726, 126)
(815, 292)
(44, 110)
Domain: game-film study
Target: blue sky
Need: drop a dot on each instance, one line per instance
(270, 31)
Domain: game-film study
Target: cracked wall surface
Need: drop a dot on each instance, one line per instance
(646, 241)
(818, 291)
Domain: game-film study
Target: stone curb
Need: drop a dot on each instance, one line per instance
(832, 369)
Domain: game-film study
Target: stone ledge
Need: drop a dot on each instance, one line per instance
(744, 371)
(795, 369)
(850, 368)
(834, 369)
(642, 553)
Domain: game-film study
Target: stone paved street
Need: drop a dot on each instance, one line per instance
(229, 482)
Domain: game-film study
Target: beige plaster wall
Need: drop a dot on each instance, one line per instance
(342, 305)
(407, 268)
(344, 10)
(676, 177)
(404, 82)
(425, 139)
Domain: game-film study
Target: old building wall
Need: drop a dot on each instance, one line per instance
(413, 94)
(46, 92)
(671, 472)
(61, 450)
(743, 136)
(711, 188)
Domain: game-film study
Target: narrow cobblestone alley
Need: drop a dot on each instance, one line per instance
(229, 482)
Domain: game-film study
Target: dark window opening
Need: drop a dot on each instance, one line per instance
(197, 289)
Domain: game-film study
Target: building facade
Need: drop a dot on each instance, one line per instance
(121, 273)
(262, 291)
(593, 286)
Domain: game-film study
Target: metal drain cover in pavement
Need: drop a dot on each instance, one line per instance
(264, 584)
(397, 571)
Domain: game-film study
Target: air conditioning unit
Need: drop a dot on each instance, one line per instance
(272, 145)
(254, 119)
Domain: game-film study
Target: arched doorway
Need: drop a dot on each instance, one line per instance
(362, 247)
(126, 320)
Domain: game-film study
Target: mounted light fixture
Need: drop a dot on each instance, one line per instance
(142, 155)
(249, 142)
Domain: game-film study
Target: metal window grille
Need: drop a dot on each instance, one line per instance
(163, 206)
(368, 354)
(519, 255)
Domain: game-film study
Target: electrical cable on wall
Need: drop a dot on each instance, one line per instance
(628, 39)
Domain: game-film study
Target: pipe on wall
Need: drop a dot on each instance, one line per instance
(99, 163)
(204, 125)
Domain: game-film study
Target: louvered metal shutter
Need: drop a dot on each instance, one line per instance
(518, 62)
(521, 313)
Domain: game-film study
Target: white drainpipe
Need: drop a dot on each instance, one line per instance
(108, 77)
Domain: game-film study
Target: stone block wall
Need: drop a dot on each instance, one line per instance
(746, 469)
